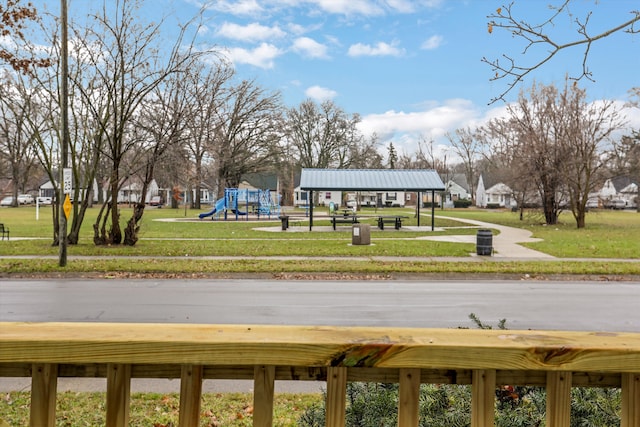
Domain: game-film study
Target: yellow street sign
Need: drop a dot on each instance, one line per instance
(66, 206)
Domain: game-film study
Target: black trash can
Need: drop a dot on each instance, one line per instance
(484, 242)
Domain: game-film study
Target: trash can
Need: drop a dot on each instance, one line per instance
(361, 234)
(484, 242)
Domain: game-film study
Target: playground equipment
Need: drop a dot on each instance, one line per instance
(242, 202)
(218, 208)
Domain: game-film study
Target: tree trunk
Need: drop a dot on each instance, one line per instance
(114, 236)
(133, 227)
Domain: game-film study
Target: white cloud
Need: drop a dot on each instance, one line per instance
(432, 42)
(380, 49)
(402, 6)
(310, 48)
(252, 32)
(405, 129)
(262, 56)
(320, 93)
(349, 7)
(240, 7)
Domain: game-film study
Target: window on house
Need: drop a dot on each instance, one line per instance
(327, 195)
(391, 196)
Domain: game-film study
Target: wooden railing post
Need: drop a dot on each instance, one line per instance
(190, 395)
(118, 394)
(630, 415)
(409, 398)
(336, 405)
(44, 382)
(559, 399)
(264, 383)
(483, 397)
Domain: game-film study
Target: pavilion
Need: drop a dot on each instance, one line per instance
(407, 180)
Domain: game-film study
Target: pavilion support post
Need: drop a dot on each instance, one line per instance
(310, 210)
(433, 210)
(418, 202)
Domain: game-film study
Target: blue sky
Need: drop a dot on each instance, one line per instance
(411, 68)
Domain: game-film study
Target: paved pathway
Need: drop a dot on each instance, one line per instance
(505, 243)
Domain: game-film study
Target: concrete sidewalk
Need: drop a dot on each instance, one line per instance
(506, 243)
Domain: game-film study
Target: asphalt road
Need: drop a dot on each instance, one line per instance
(591, 306)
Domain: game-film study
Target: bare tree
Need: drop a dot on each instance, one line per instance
(535, 35)
(129, 64)
(555, 139)
(528, 137)
(248, 134)
(586, 128)
(503, 161)
(322, 136)
(467, 145)
(160, 125)
(16, 139)
(365, 155)
(207, 88)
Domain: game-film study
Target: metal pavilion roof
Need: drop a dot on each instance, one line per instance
(371, 180)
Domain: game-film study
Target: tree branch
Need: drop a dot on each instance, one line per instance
(535, 35)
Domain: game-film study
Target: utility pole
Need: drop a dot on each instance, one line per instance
(64, 127)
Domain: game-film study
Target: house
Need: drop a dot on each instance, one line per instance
(456, 189)
(481, 193)
(301, 198)
(630, 195)
(378, 199)
(131, 191)
(621, 189)
(498, 195)
(48, 190)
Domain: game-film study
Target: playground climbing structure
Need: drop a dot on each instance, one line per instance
(243, 202)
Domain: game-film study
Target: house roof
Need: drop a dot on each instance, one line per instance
(371, 180)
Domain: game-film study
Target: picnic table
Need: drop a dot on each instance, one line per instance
(344, 219)
(396, 220)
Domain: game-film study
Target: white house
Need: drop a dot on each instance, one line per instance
(455, 191)
(301, 198)
(618, 188)
(47, 190)
(630, 195)
(481, 194)
(378, 198)
(131, 192)
(499, 194)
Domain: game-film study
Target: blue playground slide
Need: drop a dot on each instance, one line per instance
(218, 207)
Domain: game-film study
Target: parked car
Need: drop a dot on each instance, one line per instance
(25, 199)
(7, 201)
(45, 200)
(616, 204)
(592, 204)
(156, 201)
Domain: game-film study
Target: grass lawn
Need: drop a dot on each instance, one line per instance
(160, 410)
(173, 241)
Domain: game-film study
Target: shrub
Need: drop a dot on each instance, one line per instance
(464, 203)
(376, 404)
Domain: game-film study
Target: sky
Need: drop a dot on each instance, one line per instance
(412, 69)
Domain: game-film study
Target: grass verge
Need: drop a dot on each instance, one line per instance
(158, 410)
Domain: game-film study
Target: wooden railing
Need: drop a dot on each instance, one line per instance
(408, 356)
